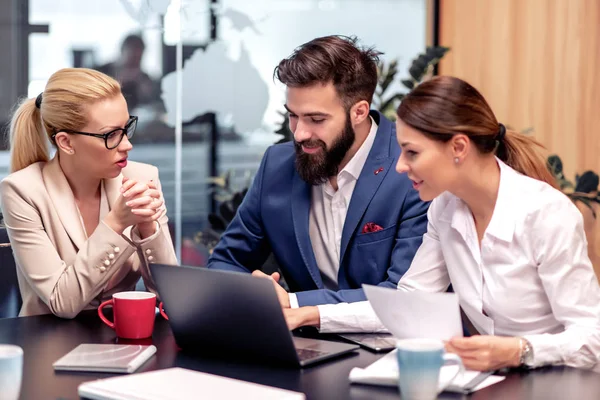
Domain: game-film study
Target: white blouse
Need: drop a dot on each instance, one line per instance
(531, 277)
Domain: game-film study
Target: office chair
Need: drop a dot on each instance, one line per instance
(10, 296)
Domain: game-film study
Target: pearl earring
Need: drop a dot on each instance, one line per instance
(456, 160)
(71, 151)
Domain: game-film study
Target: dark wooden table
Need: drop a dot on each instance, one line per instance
(45, 339)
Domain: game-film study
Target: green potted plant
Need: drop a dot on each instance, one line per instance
(420, 68)
(585, 189)
(230, 198)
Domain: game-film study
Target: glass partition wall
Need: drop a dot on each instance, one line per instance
(199, 75)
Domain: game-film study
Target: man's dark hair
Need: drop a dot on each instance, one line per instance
(133, 40)
(336, 59)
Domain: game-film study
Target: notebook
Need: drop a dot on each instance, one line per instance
(384, 372)
(180, 383)
(120, 358)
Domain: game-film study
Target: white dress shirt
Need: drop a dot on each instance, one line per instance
(328, 209)
(531, 277)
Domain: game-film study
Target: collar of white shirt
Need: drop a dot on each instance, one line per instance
(353, 168)
(503, 222)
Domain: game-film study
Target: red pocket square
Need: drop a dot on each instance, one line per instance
(371, 227)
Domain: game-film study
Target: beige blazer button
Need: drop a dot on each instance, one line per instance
(150, 258)
(148, 251)
(111, 256)
(116, 249)
(106, 262)
(102, 268)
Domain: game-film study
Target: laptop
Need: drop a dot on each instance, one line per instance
(234, 315)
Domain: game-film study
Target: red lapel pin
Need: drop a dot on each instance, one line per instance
(377, 171)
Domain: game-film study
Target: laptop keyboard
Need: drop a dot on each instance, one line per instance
(309, 354)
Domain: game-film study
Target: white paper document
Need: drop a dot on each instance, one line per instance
(180, 383)
(410, 315)
(384, 372)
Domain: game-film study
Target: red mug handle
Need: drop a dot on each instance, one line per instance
(101, 314)
(162, 311)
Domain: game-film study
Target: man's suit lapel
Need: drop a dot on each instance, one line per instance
(301, 198)
(378, 165)
(64, 202)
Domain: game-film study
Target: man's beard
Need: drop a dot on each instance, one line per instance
(317, 168)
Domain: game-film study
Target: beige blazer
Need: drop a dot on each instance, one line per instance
(60, 270)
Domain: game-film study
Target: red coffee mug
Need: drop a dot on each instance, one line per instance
(133, 314)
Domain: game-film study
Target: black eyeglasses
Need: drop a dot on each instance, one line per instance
(111, 139)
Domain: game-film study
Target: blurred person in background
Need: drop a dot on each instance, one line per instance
(138, 88)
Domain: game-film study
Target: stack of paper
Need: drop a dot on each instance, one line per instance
(180, 383)
(384, 372)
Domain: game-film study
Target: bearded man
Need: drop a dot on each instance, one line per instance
(329, 206)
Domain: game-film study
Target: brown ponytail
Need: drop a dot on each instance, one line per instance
(525, 154)
(445, 106)
(62, 106)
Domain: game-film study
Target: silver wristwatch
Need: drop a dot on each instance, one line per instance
(526, 353)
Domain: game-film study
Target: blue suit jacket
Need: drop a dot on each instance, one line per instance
(274, 218)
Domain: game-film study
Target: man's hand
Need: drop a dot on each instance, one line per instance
(486, 353)
(284, 298)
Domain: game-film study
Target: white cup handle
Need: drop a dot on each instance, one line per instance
(450, 358)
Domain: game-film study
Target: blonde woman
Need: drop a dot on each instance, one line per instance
(86, 223)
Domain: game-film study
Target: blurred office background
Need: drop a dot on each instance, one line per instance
(228, 107)
(207, 117)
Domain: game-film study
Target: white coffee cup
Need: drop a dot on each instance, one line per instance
(11, 371)
(419, 364)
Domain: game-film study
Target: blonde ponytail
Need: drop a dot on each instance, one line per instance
(525, 154)
(28, 138)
